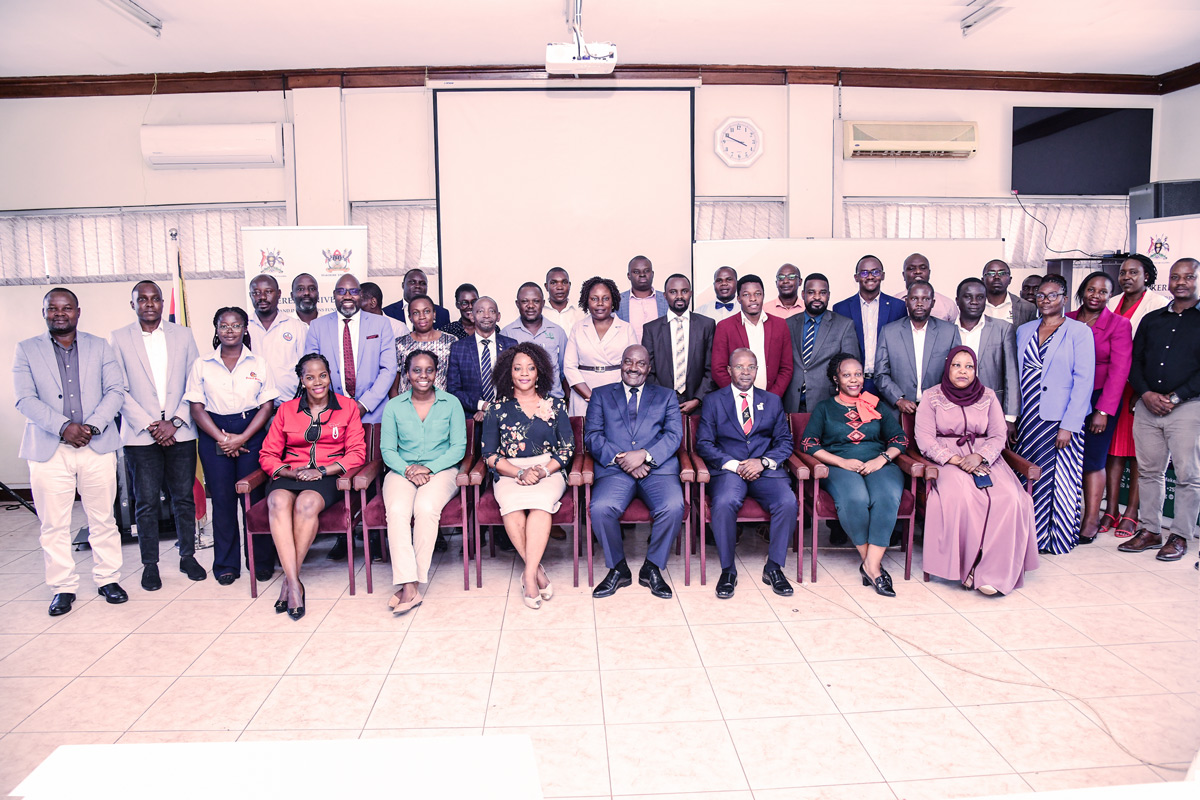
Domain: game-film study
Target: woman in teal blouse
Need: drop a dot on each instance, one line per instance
(859, 443)
(423, 439)
(527, 442)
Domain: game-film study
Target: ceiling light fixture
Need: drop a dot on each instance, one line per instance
(980, 12)
(135, 13)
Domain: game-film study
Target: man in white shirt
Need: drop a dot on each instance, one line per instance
(725, 288)
(561, 308)
(916, 268)
(642, 302)
(994, 342)
(1001, 303)
(277, 338)
(912, 352)
(305, 295)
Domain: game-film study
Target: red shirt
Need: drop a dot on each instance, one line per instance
(297, 440)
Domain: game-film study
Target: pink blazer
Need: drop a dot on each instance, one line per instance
(1114, 355)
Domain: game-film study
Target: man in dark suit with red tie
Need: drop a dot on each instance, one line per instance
(765, 336)
(744, 439)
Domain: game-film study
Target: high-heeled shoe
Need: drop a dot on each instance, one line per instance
(881, 584)
(547, 592)
(281, 603)
(534, 602)
(988, 590)
(298, 611)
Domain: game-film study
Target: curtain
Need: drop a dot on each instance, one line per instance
(746, 218)
(400, 236)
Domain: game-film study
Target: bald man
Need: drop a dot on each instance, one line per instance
(469, 377)
(916, 268)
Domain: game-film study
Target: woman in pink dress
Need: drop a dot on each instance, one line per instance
(596, 343)
(1136, 300)
(982, 537)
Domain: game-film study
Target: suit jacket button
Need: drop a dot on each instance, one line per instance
(1045, 388)
(635, 442)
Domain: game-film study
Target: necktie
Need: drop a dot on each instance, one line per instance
(810, 338)
(633, 407)
(348, 359)
(487, 390)
(726, 306)
(747, 423)
(680, 365)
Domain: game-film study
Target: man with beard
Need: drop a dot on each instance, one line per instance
(995, 344)
(680, 346)
(869, 310)
(912, 352)
(817, 335)
(277, 337)
(305, 295)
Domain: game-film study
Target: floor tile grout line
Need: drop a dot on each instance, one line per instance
(500, 641)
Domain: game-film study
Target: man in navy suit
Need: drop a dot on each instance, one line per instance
(744, 438)
(369, 342)
(872, 306)
(633, 430)
(469, 376)
(416, 283)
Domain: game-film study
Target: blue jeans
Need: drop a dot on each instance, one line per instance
(153, 466)
(867, 505)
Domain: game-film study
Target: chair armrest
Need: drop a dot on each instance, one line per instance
(589, 469)
(251, 482)
(911, 466)
(345, 481)
(575, 473)
(463, 478)
(476, 473)
(366, 475)
(702, 473)
(816, 468)
(687, 472)
(1022, 466)
(797, 467)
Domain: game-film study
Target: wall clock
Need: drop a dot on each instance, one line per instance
(738, 142)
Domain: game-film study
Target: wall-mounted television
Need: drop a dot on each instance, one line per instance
(1080, 150)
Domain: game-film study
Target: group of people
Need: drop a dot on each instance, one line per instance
(1081, 394)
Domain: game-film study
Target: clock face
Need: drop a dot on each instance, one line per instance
(739, 142)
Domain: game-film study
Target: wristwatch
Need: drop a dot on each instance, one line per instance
(321, 470)
(766, 462)
(177, 422)
(93, 430)
(1174, 398)
(1101, 413)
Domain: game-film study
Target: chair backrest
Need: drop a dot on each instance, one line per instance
(690, 426)
(470, 435)
(908, 423)
(798, 423)
(577, 429)
(372, 435)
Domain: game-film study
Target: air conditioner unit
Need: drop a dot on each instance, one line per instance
(909, 139)
(235, 146)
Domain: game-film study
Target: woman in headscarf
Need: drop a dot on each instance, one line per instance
(978, 518)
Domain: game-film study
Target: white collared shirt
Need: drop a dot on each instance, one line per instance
(1003, 311)
(756, 336)
(710, 309)
(156, 352)
(355, 322)
(870, 323)
(919, 354)
(732, 465)
(566, 318)
(281, 346)
(973, 338)
(222, 391)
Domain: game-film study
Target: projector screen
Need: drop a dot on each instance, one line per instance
(583, 179)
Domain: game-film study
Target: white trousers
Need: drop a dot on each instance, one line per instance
(413, 514)
(53, 484)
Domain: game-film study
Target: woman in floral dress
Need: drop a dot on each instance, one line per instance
(527, 443)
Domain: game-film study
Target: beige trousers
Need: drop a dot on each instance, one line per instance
(53, 484)
(413, 514)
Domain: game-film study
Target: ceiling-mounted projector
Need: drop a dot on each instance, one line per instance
(568, 58)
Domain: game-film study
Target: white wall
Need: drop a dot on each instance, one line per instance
(1179, 153)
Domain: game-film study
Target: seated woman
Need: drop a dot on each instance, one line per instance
(859, 442)
(314, 438)
(527, 442)
(982, 537)
(424, 436)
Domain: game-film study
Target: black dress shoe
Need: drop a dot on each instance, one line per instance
(882, 585)
(1085, 539)
(338, 551)
(113, 593)
(226, 578)
(837, 534)
(263, 574)
(61, 604)
(883, 575)
(615, 579)
(189, 566)
(651, 578)
(778, 583)
(726, 583)
(151, 582)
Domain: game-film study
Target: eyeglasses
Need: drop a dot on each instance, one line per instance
(991, 273)
(344, 292)
(1047, 295)
(782, 278)
(237, 326)
(870, 273)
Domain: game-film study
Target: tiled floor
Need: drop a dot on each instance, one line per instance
(1087, 676)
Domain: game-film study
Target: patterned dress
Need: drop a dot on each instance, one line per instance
(1058, 494)
(525, 441)
(440, 347)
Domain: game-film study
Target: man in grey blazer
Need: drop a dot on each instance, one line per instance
(157, 429)
(689, 371)
(68, 388)
(1001, 303)
(817, 335)
(995, 344)
(642, 302)
(912, 352)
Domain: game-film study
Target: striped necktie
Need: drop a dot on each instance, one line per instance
(680, 365)
(487, 391)
(810, 338)
(747, 423)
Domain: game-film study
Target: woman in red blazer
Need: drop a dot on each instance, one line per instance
(313, 439)
(1114, 355)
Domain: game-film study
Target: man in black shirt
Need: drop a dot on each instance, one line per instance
(1166, 425)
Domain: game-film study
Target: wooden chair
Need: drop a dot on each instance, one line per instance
(1023, 467)
(751, 511)
(339, 518)
(637, 510)
(454, 513)
(823, 507)
(487, 510)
